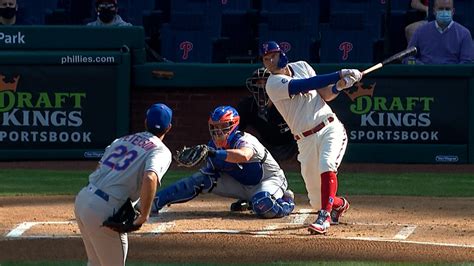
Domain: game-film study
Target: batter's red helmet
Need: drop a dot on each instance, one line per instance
(256, 85)
(272, 47)
(223, 124)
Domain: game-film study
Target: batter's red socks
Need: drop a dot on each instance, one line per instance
(328, 191)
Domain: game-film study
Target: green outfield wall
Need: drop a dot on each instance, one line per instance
(68, 91)
(399, 114)
(65, 91)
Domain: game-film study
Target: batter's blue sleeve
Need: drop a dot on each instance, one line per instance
(314, 83)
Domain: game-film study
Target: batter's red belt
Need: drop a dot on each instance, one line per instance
(315, 129)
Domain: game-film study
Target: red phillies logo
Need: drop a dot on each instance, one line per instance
(285, 46)
(186, 46)
(345, 47)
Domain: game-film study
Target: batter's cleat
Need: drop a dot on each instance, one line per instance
(322, 223)
(240, 206)
(289, 196)
(337, 213)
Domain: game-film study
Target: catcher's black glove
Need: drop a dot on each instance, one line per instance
(122, 220)
(192, 156)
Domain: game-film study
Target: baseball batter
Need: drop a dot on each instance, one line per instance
(240, 167)
(131, 167)
(300, 96)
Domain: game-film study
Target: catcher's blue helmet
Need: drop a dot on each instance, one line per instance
(271, 47)
(223, 124)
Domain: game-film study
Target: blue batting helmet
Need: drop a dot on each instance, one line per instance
(271, 47)
(223, 124)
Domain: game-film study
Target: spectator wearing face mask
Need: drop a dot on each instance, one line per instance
(442, 41)
(8, 10)
(107, 14)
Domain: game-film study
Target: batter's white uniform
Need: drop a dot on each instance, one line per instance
(118, 177)
(321, 151)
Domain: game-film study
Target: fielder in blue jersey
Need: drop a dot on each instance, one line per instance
(240, 168)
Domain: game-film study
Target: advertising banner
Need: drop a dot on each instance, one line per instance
(405, 111)
(69, 105)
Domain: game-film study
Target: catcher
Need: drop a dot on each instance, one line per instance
(130, 169)
(237, 166)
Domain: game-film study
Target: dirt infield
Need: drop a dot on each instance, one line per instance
(404, 229)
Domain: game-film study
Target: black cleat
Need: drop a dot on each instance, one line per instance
(240, 206)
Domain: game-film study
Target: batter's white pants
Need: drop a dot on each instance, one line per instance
(318, 153)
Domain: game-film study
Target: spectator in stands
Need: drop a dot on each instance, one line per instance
(442, 41)
(422, 6)
(8, 10)
(107, 14)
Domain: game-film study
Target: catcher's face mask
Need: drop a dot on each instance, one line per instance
(256, 85)
(223, 124)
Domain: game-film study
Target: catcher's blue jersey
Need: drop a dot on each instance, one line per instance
(262, 165)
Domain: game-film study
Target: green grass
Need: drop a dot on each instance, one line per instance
(47, 182)
(406, 184)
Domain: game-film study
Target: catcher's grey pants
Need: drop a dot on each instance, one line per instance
(228, 187)
(103, 245)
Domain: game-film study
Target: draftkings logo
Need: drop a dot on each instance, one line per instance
(40, 116)
(393, 118)
(360, 91)
(8, 85)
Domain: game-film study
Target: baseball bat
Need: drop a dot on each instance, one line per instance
(395, 57)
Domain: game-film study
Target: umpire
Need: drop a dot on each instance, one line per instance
(131, 168)
(259, 116)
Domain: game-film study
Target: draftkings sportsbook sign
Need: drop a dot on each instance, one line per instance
(55, 107)
(421, 111)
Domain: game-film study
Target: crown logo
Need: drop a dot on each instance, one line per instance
(8, 86)
(360, 91)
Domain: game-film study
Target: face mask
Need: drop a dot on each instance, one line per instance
(107, 15)
(8, 12)
(444, 17)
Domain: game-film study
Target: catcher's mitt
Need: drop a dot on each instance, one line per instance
(122, 220)
(192, 156)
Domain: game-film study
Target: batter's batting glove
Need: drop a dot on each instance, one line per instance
(356, 74)
(345, 83)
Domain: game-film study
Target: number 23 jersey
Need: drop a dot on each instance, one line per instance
(125, 160)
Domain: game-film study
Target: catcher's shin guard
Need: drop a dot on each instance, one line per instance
(183, 190)
(264, 205)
